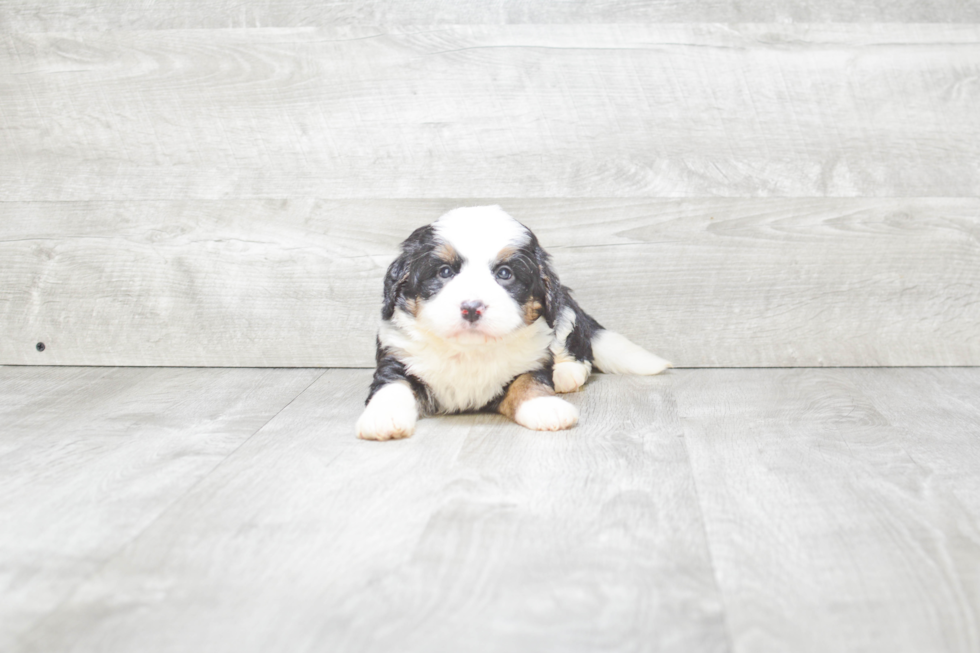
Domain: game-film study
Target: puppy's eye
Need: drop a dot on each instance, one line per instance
(445, 272)
(504, 273)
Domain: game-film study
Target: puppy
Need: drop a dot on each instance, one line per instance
(475, 319)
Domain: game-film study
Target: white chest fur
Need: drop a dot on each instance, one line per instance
(466, 377)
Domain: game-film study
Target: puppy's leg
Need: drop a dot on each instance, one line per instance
(395, 401)
(391, 413)
(571, 375)
(573, 346)
(531, 402)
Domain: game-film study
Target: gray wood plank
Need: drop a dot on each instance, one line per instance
(91, 457)
(472, 535)
(841, 506)
(670, 110)
(708, 282)
(68, 15)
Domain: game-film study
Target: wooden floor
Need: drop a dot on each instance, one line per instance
(167, 509)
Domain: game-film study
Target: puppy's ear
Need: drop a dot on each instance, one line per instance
(401, 267)
(552, 286)
(394, 280)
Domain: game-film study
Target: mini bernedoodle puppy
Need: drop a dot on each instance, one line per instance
(475, 319)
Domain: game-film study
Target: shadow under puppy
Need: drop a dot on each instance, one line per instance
(475, 319)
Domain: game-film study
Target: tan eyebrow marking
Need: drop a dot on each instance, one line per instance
(504, 254)
(447, 253)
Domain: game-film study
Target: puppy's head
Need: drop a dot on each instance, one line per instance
(474, 275)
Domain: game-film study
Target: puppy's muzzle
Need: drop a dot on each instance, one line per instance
(472, 311)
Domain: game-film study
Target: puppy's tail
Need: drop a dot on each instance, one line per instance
(614, 354)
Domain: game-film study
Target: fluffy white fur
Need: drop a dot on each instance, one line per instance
(465, 375)
(614, 354)
(480, 231)
(547, 414)
(390, 415)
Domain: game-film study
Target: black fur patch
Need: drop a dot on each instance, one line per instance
(579, 341)
(525, 284)
(414, 274)
(552, 291)
(556, 298)
(421, 242)
(389, 369)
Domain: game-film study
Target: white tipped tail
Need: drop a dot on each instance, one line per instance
(614, 354)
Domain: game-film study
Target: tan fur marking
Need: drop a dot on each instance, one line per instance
(532, 310)
(413, 306)
(505, 254)
(447, 253)
(524, 388)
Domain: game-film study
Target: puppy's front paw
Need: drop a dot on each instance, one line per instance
(546, 414)
(390, 415)
(569, 376)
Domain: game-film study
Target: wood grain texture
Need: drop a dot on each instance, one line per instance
(474, 534)
(765, 282)
(66, 15)
(841, 506)
(835, 510)
(669, 110)
(90, 457)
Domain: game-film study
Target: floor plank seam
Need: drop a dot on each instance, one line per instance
(109, 558)
(704, 530)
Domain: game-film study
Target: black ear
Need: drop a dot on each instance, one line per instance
(552, 285)
(400, 268)
(397, 273)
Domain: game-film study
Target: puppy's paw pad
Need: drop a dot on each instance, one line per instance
(391, 415)
(546, 414)
(569, 376)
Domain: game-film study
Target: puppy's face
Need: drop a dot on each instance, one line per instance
(473, 276)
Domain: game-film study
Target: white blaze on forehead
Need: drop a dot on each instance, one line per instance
(479, 233)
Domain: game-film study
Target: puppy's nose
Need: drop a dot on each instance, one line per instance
(472, 310)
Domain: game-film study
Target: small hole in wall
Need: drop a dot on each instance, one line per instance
(39, 346)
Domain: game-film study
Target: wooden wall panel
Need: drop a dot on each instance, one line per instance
(61, 15)
(709, 282)
(232, 196)
(507, 111)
